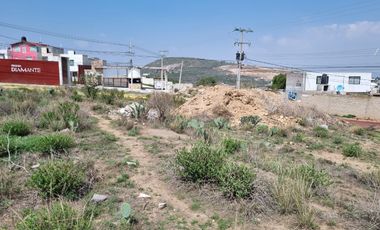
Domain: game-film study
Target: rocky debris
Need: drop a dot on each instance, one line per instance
(236, 104)
(153, 115)
(98, 198)
(35, 166)
(162, 205)
(143, 195)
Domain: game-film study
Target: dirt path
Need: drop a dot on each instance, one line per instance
(145, 177)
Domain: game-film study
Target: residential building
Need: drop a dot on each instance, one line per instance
(3, 54)
(335, 82)
(25, 50)
(75, 62)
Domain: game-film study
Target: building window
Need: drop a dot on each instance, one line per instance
(354, 80)
(33, 49)
(23, 49)
(322, 80)
(71, 62)
(16, 49)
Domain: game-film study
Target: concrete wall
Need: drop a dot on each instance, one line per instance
(361, 106)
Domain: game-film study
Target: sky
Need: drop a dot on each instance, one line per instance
(297, 33)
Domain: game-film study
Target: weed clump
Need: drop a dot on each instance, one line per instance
(50, 143)
(178, 124)
(236, 180)
(352, 150)
(16, 128)
(8, 185)
(321, 132)
(57, 216)
(199, 164)
(231, 145)
(59, 178)
(262, 129)
(251, 121)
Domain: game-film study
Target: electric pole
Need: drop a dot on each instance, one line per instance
(162, 55)
(240, 54)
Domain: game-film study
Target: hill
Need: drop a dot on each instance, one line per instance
(196, 68)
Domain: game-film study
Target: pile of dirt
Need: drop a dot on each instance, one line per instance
(226, 101)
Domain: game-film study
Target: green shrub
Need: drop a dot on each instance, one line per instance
(262, 129)
(9, 143)
(279, 81)
(299, 137)
(16, 128)
(349, 116)
(58, 215)
(76, 97)
(50, 143)
(275, 131)
(320, 132)
(59, 178)
(206, 81)
(199, 164)
(251, 120)
(231, 145)
(352, 150)
(310, 174)
(338, 140)
(359, 131)
(220, 123)
(178, 124)
(134, 131)
(236, 180)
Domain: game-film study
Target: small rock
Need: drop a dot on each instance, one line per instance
(162, 205)
(143, 195)
(35, 166)
(99, 198)
(65, 130)
(324, 126)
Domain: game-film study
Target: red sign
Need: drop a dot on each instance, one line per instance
(29, 72)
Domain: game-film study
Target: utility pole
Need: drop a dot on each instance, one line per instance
(162, 55)
(240, 54)
(180, 74)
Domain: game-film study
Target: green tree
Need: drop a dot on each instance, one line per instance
(279, 81)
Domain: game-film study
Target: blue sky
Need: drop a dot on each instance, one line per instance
(286, 32)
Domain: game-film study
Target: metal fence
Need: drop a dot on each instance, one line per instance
(115, 82)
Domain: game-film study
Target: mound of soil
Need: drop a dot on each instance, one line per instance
(226, 101)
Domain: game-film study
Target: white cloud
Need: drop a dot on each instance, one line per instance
(332, 37)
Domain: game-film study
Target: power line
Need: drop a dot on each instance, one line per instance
(70, 37)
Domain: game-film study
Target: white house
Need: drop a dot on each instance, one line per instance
(3, 54)
(335, 82)
(76, 60)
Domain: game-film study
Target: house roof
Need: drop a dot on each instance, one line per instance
(29, 43)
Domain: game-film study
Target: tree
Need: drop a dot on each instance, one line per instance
(279, 81)
(207, 81)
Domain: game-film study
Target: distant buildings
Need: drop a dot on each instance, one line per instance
(3, 54)
(340, 83)
(75, 63)
(25, 50)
